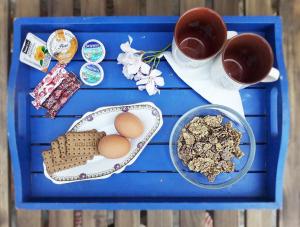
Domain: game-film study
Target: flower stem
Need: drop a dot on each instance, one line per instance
(153, 64)
(153, 56)
(149, 56)
(158, 61)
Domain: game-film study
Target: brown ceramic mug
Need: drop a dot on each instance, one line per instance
(199, 35)
(245, 60)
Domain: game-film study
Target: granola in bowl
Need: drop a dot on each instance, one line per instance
(209, 146)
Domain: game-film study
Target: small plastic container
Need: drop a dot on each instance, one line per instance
(62, 45)
(34, 52)
(93, 51)
(91, 74)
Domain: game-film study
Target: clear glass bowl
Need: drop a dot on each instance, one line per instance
(242, 165)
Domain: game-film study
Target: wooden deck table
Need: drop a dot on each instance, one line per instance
(288, 216)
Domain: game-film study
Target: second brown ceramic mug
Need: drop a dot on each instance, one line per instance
(199, 36)
(245, 60)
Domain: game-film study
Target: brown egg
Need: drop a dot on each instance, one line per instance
(129, 125)
(114, 146)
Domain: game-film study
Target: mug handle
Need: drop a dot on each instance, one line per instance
(272, 76)
(231, 34)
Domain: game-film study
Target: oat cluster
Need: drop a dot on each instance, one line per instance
(207, 146)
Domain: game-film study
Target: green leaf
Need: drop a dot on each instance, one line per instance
(41, 62)
(46, 51)
(43, 49)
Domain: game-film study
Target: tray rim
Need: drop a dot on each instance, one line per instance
(284, 134)
(149, 205)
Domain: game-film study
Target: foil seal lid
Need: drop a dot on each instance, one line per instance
(91, 74)
(62, 45)
(93, 51)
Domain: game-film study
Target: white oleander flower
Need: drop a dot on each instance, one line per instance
(151, 82)
(126, 47)
(134, 68)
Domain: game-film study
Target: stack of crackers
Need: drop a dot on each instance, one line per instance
(71, 150)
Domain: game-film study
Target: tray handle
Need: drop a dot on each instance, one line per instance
(274, 112)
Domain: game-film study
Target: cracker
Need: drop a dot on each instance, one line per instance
(83, 143)
(70, 164)
(47, 158)
(57, 154)
(55, 150)
(52, 167)
(71, 150)
(62, 146)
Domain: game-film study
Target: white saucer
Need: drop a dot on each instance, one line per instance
(200, 81)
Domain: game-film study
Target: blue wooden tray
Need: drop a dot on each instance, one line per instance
(151, 182)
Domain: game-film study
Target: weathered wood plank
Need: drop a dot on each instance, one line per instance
(165, 8)
(94, 218)
(27, 8)
(259, 218)
(62, 218)
(188, 4)
(127, 218)
(93, 7)
(4, 158)
(290, 12)
(24, 218)
(226, 218)
(159, 218)
(126, 7)
(192, 218)
(258, 7)
(29, 219)
(232, 7)
(60, 8)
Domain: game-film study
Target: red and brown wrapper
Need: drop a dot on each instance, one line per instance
(52, 80)
(55, 90)
(61, 95)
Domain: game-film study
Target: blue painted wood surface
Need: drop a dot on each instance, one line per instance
(151, 182)
(155, 157)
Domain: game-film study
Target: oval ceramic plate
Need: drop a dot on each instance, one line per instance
(102, 119)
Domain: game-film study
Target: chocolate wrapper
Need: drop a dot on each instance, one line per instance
(55, 95)
(49, 83)
(64, 97)
(55, 89)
